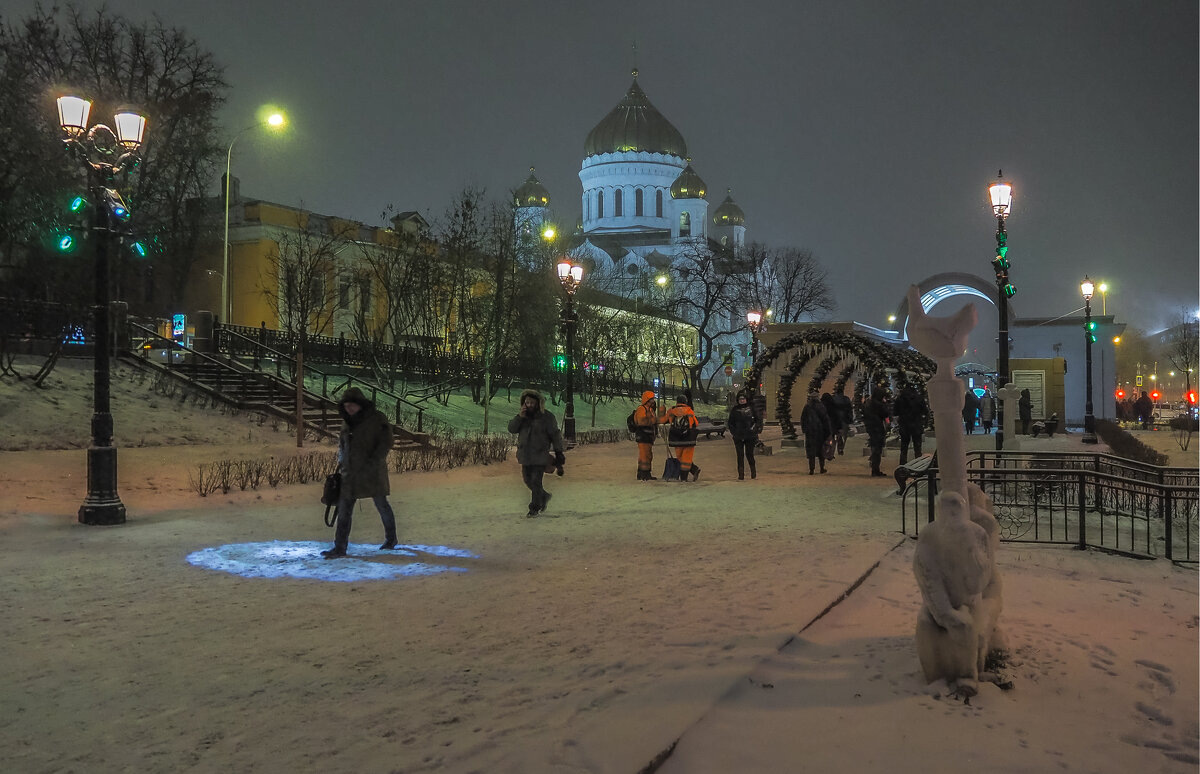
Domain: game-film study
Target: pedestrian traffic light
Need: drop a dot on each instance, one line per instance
(1191, 397)
(1155, 395)
(1120, 394)
(560, 362)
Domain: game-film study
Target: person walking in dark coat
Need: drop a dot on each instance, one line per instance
(814, 421)
(1025, 410)
(744, 424)
(537, 434)
(987, 411)
(876, 416)
(970, 406)
(845, 411)
(836, 423)
(363, 447)
(911, 413)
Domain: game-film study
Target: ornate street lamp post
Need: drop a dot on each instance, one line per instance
(570, 275)
(275, 120)
(754, 321)
(106, 156)
(1089, 335)
(1000, 194)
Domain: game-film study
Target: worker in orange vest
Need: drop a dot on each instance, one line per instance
(682, 436)
(643, 423)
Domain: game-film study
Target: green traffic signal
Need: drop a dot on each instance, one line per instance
(560, 362)
(1091, 326)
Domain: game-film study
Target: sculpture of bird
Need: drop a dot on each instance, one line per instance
(941, 338)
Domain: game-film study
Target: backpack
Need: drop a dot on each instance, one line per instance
(681, 429)
(631, 422)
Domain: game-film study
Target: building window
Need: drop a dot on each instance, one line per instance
(600, 204)
(658, 203)
(344, 295)
(637, 202)
(617, 202)
(685, 224)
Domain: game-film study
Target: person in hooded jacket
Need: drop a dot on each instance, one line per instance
(1025, 410)
(537, 434)
(646, 419)
(744, 424)
(844, 408)
(987, 411)
(911, 413)
(814, 421)
(876, 416)
(683, 441)
(363, 447)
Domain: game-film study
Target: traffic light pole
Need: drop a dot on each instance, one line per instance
(1002, 336)
(1089, 419)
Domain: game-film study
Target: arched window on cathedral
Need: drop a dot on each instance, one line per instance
(617, 203)
(658, 203)
(637, 202)
(685, 224)
(600, 204)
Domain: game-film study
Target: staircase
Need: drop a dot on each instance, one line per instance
(238, 385)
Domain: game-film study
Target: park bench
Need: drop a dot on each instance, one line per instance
(707, 426)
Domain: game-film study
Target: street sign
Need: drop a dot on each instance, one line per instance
(1138, 381)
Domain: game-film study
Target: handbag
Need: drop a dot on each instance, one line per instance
(827, 449)
(330, 496)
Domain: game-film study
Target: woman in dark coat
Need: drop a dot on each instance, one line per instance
(814, 421)
(1025, 410)
(744, 424)
(363, 448)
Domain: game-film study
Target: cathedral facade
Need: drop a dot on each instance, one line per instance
(643, 204)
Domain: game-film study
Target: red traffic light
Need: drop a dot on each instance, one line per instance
(1120, 394)
(1155, 395)
(1191, 397)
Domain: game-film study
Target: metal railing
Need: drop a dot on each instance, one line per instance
(262, 357)
(1087, 500)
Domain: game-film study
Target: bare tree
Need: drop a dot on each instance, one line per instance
(789, 281)
(303, 271)
(1182, 345)
(113, 61)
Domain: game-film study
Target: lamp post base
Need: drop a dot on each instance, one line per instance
(569, 427)
(102, 506)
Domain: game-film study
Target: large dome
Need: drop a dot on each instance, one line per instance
(635, 125)
(531, 193)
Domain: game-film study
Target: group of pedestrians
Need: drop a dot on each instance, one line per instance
(981, 407)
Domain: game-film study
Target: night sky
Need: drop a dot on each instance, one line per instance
(864, 131)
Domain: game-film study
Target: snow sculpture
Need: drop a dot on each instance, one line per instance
(955, 561)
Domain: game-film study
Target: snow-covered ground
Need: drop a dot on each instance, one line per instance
(629, 617)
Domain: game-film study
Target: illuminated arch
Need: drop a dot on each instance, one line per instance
(940, 287)
(878, 363)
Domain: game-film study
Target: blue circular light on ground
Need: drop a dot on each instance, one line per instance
(302, 559)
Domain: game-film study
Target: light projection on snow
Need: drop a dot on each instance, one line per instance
(302, 559)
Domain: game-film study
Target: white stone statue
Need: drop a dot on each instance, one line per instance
(953, 566)
(955, 560)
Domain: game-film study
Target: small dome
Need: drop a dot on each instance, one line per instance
(688, 185)
(728, 213)
(635, 125)
(531, 193)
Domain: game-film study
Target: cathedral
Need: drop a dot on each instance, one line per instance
(642, 204)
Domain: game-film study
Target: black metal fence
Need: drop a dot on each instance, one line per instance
(1087, 500)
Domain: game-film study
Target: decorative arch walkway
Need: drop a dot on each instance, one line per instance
(876, 363)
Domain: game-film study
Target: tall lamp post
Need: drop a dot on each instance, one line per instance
(570, 275)
(1089, 335)
(1000, 194)
(106, 156)
(275, 120)
(754, 321)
